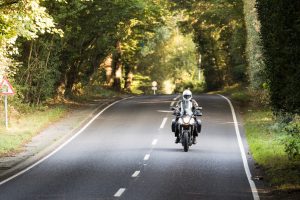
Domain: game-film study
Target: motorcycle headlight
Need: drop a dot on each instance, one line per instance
(186, 119)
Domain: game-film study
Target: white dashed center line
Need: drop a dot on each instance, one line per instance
(147, 156)
(135, 174)
(120, 192)
(163, 122)
(154, 142)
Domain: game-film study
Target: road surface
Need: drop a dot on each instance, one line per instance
(128, 153)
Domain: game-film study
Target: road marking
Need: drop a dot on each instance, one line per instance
(172, 103)
(165, 111)
(62, 145)
(154, 142)
(242, 150)
(163, 122)
(135, 174)
(147, 156)
(120, 192)
(175, 99)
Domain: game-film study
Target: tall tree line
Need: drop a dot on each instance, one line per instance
(70, 39)
(280, 32)
(219, 30)
(51, 47)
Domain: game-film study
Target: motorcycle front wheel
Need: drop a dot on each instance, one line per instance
(185, 141)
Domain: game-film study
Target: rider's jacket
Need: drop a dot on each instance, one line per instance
(186, 106)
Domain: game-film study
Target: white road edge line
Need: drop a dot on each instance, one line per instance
(135, 174)
(242, 150)
(154, 142)
(61, 146)
(147, 156)
(119, 192)
(163, 122)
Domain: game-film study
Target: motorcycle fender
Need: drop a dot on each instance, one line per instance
(173, 125)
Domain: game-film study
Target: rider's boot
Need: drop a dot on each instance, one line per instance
(177, 140)
(194, 140)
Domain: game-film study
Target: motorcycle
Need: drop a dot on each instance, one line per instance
(186, 125)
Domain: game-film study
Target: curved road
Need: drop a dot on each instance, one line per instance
(128, 153)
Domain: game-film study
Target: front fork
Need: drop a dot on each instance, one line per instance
(190, 133)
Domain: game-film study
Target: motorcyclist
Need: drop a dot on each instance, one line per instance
(187, 103)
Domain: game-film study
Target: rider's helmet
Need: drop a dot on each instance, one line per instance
(187, 95)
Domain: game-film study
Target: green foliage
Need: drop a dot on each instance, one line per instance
(170, 58)
(271, 147)
(194, 86)
(36, 79)
(254, 51)
(48, 64)
(23, 18)
(219, 32)
(280, 31)
(292, 140)
(141, 84)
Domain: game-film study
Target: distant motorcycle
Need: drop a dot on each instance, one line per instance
(185, 123)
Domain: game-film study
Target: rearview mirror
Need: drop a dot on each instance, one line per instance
(198, 113)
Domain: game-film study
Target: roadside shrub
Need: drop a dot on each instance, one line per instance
(194, 86)
(291, 140)
(259, 98)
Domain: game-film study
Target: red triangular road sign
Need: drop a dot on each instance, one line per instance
(6, 88)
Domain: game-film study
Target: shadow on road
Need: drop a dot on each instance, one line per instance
(176, 150)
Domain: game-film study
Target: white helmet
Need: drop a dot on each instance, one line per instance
(187, 95)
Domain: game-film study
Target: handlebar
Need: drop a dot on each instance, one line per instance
(197, 111)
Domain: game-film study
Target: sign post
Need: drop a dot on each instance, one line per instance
(6, 111)
(6, 89)
(154, 86)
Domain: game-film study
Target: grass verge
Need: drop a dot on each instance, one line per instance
(22, 127)
(267, 146)
(267, 139)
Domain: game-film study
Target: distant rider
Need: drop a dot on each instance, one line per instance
(187, 103)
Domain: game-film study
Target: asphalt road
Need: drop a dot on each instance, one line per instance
(129, 153)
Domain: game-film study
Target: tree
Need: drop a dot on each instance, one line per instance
(21, 18)
(219, 31)
(280, 32)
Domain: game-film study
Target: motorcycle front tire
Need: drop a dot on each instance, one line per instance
(185, 141)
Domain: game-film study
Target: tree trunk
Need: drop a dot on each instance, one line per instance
(117, 68)
(71, 78)
(128, 77)
(28, 75)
